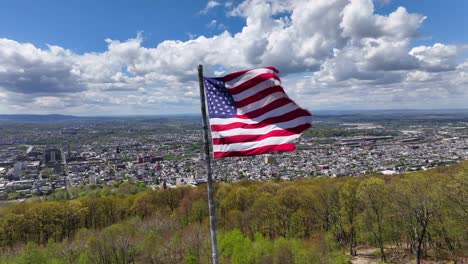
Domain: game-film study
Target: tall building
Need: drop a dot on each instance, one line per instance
(52, 155)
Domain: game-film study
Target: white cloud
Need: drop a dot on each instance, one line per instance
(210, 5)
(352, 57)
(418, 90)
(27, 69)
(419, 76)
(48, 101)
(214, 24)
(359, 21)
(438, 57)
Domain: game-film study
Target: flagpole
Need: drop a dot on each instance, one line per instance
(211, 206)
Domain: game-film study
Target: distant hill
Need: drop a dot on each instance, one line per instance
(37, 118)
(389, 115)
(30, 118)
(338, 115)
(393, 112)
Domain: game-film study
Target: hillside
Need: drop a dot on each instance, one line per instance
(399, 219)
(37, 118)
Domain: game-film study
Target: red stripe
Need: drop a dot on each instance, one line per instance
(272, 68)
(234, 75)
(256, 151)
(267, 108)
(272, 120)
(251, 138)
(259, 96)
(252, 82)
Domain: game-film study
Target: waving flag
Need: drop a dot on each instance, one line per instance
(250, 114)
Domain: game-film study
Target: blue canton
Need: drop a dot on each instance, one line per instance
(220, 102)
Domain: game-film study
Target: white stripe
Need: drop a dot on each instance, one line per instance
(247, 76)
(275, 112)
(257, 88)
(261, 103)
(263, 130)
(255, 144)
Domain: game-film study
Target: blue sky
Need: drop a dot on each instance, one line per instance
(446, 20)
(83, 25)
(365, 51)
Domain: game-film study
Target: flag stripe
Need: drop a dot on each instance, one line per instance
(261, 103)
(272, 120)
(257, 88)
(234, 75)
(262, 130)
(255, 151)
(251, 83)
(255, 144)
(258, 96)
(267, 108)
(249, 138)
(251, 114)
(246, 120)
(235, 79)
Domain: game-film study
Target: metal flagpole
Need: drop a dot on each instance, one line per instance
(214, 242)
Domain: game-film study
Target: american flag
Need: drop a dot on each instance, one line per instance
(250, 114)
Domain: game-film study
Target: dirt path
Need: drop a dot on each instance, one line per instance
(365, 256)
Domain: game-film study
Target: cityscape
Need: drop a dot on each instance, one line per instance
(234, 132)
(38, 158)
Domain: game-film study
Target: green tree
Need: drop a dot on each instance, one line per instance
(372, 195)
(235, 248)
(350, 208)
(417, 197)
(32, 255)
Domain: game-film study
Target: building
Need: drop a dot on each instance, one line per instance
(52, 155)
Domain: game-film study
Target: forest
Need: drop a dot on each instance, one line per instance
(405, 218)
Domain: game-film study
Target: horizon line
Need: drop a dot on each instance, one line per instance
(195, 114)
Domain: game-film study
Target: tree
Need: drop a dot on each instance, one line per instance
(350, 208)
(263, 216)
(115, 244)
(289, 201)
(170, 197)
(12, 229)
(235, 247)
(417, 197)
(372, 195)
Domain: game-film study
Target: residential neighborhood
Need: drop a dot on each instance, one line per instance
(158, 154)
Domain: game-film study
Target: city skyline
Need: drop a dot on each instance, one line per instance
(89, 59)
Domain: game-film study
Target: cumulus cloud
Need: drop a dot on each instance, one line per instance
(27, 69)
(339, 52)
(438, 57)
(418, 89)
(359, 22)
